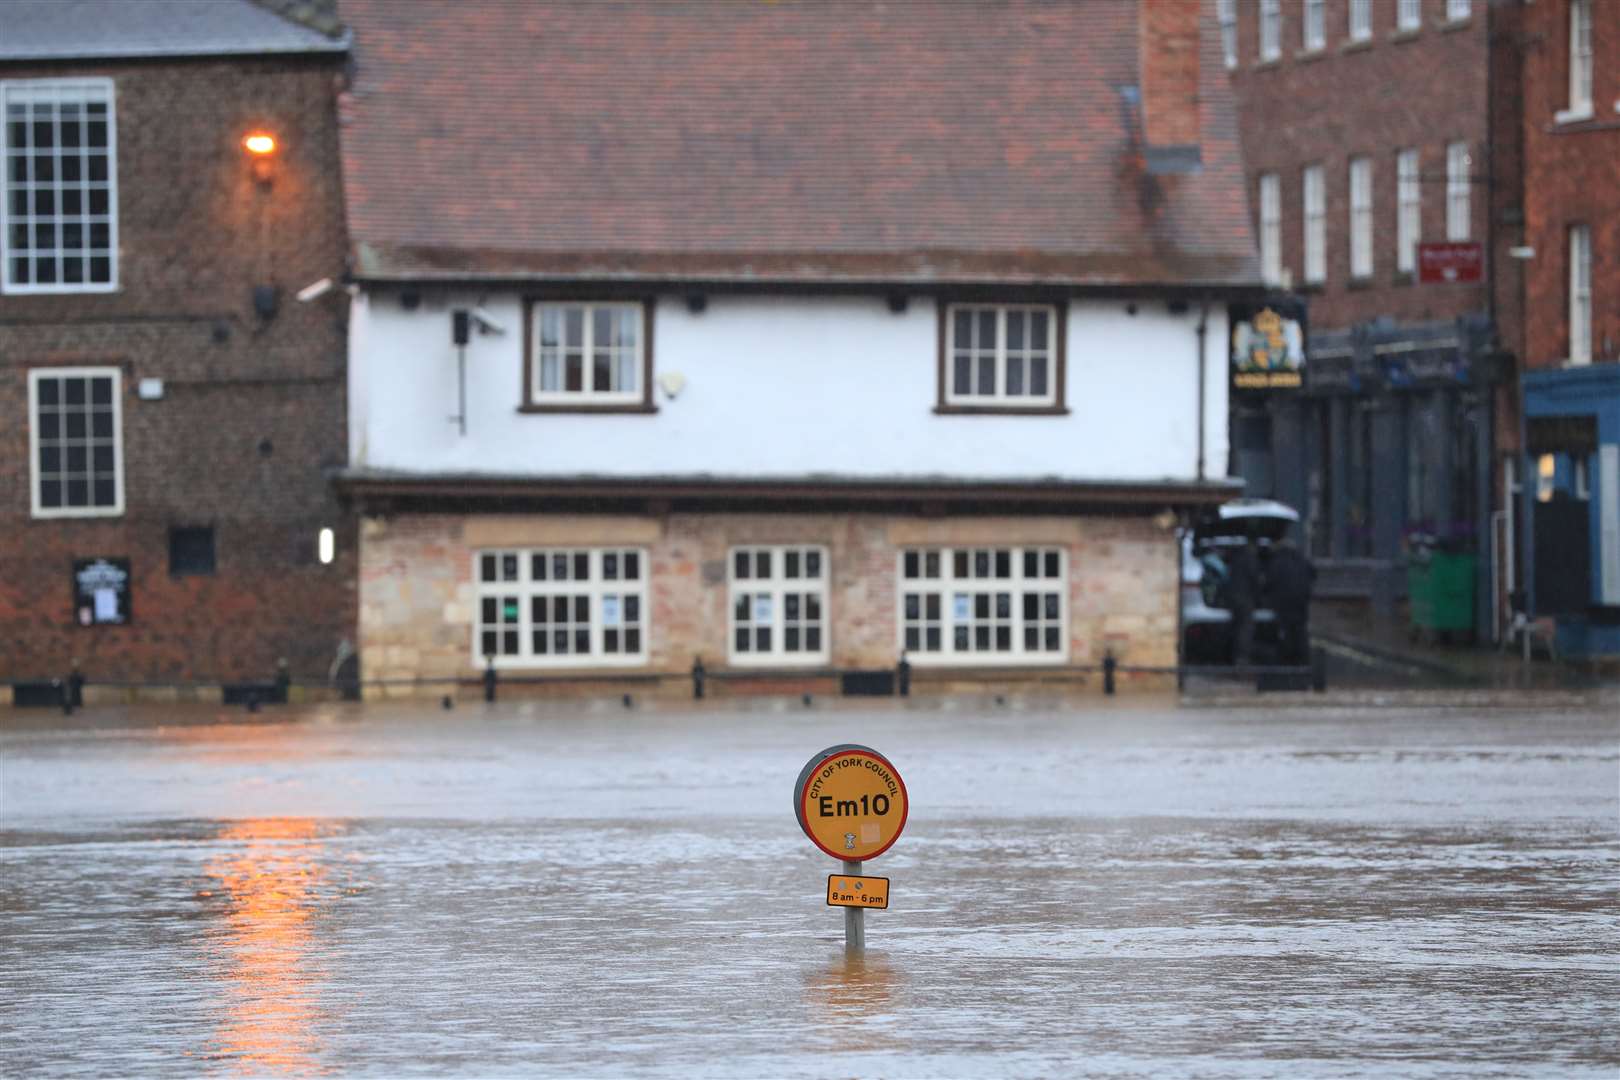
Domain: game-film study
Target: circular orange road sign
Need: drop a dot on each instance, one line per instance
(851, 802)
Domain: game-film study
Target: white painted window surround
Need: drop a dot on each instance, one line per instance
(1313, 27)
(1360, 20)
(1001, 355)
(1270, 229)
(1270, 29)
(1580, 63)
(1409, 15)
(1315, 200)
(1226, 16)
(788, 387)
(1361, 217)
(1459, 164)
(778, 605)
(75, 441)
(1458, 10)
(1580, 294)
(1408, 211)
(587, 353)
(1002, 605)
(560, 607)
(58, 186)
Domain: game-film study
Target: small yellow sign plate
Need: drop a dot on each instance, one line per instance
(851, 890)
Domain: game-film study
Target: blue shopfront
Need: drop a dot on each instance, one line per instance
(1571, 551)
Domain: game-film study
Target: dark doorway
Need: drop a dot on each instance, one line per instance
(1563, 556)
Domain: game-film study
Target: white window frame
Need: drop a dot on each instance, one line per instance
(1580, 295)
(1313, 26)
(1458, 10)
(1270, 228)
(1226, 16)
(1001, 398)
(587, 395)
(774, 589)
(1270, 29)
(1313, 186)
(1361, 218)
(1409, 15)
(58, 92)
(526, 587)
(949, 587)
(1408, 209)
(1360, 18)
(1458, 194)
(34, 439)
(1580, 62)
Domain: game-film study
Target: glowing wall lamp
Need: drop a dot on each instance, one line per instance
(261, 147)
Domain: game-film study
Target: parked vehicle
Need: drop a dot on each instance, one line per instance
(1206, 617)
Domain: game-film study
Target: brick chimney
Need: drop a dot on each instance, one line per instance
(1168, 51)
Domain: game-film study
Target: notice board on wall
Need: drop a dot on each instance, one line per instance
(101, 591)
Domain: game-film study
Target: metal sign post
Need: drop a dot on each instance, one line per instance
(852, 804)
(854, 917)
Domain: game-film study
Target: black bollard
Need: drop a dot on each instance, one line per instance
(1109, 664)
(64, 695)
(447, 703)
(697, 678)
(902, 672)
(806, 700)
(489, 679)
(1318, 670)
(628, 701)
(75, 686)
(281, 683)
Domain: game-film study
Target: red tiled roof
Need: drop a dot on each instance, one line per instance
(878, 140)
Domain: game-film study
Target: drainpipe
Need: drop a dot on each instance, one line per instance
(1203, 323)
(1527, 495)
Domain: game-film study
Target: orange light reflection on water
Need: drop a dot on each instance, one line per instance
(270, 888)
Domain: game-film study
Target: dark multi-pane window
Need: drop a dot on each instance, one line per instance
(59, 210)
(778, 604)
(1001, 355)
(989, 604)
(74, 442)
(587, 354)
(562, 607)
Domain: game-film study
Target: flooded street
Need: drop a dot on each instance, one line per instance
(1120, 889)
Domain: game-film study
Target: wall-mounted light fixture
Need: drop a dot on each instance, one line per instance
(261, 148)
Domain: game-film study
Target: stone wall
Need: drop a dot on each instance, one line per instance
(417, 593)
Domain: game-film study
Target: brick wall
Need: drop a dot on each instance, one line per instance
(1419, 89)
(418, 597)
(252, 415)
(1572, 176)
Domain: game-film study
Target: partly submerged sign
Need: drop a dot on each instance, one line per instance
(850, 802)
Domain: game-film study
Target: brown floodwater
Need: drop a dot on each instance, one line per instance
(1389, 887)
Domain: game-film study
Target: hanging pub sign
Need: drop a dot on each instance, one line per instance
(1268, 352)
(101, 592)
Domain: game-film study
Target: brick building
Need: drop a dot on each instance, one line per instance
(171, 410)
(1569, 274)
(818, 335)
(1380, 141)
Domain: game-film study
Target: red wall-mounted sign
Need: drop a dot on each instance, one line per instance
(1448, 263)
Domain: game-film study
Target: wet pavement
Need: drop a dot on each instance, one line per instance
(1399, 886)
